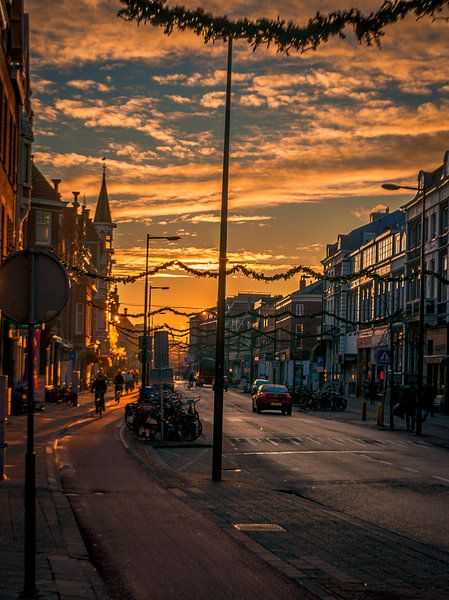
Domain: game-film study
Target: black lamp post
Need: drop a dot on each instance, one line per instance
(422, 188)
(221, 293)
(144, 361)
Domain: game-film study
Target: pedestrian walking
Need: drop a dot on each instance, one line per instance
(372, 392)
(129, 382)
(410, 407)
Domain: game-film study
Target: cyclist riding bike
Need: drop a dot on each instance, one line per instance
(99, 387)
(119, 382)
(192, 381)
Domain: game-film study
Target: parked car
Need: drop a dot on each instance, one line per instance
(256, 384)
(272, 397)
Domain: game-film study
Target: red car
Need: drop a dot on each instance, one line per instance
(272, 397)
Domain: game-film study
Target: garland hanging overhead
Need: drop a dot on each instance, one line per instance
(283, 35)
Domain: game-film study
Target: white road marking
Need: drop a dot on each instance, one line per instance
(270, 452)
(313, 440)
(410, 469)
(271, 442)
(441, 478)
(385, 462)
(296, 441)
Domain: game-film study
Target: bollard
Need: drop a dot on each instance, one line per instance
(364, 410)
(380, 414)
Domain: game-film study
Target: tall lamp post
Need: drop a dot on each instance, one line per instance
(423, 179)
(171, 238)
(217, 447)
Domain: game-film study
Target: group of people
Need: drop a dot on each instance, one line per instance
(121, 381)
(405, 401)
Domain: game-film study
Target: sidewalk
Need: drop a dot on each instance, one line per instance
(63, 569)
(434, 430)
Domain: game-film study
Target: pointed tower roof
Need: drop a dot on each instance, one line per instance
(103, 210)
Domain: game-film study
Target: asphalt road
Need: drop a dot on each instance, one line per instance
(361, 512)
(393, 480)
(146, 542)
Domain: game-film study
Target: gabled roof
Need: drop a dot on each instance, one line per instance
(103, 210)
(41, 188)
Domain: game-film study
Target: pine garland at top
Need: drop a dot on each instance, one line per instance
(284, 35)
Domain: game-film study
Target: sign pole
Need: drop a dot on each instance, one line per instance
(30, 456)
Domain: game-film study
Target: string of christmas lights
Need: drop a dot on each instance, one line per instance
(239, 268)
(283, 35)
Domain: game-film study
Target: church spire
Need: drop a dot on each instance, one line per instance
(103, 210)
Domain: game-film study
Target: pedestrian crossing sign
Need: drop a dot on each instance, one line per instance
(383, 357)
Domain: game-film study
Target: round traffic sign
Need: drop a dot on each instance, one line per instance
(34, 286)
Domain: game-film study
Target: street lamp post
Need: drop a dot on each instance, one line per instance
(217, 447)
(422, 187)
(144, 361)
(161, 392)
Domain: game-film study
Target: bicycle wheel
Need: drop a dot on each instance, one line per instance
(129, 419)
(189, 428)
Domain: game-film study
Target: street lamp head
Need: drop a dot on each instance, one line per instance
(173, 238)
(394, 187)
(390, 186)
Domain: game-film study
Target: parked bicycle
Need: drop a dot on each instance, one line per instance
(324, 399)
(181, 418)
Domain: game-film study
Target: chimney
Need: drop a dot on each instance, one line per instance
(375, 216)
(75, 199)
(125, 310)
(302, 282)
(56, 183)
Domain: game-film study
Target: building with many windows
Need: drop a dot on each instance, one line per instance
(366, 247)
(436, 344)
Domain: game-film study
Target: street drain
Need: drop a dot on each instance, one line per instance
(270, 527)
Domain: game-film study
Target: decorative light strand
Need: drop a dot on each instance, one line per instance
(283, 35)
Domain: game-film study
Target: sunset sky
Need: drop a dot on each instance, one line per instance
(313, 135)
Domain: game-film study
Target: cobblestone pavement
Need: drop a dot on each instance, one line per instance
(63, 569)
(333, 555)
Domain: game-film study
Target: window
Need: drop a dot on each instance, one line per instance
(299, 339)
(431, 280)
(442, 295)
(433, 226)
(108, 243)
(43, 227)
(79, 318)
(357, 263)
(385, 248)
(443, 220)
(426, 229)
(300, 310)
(369, 256)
